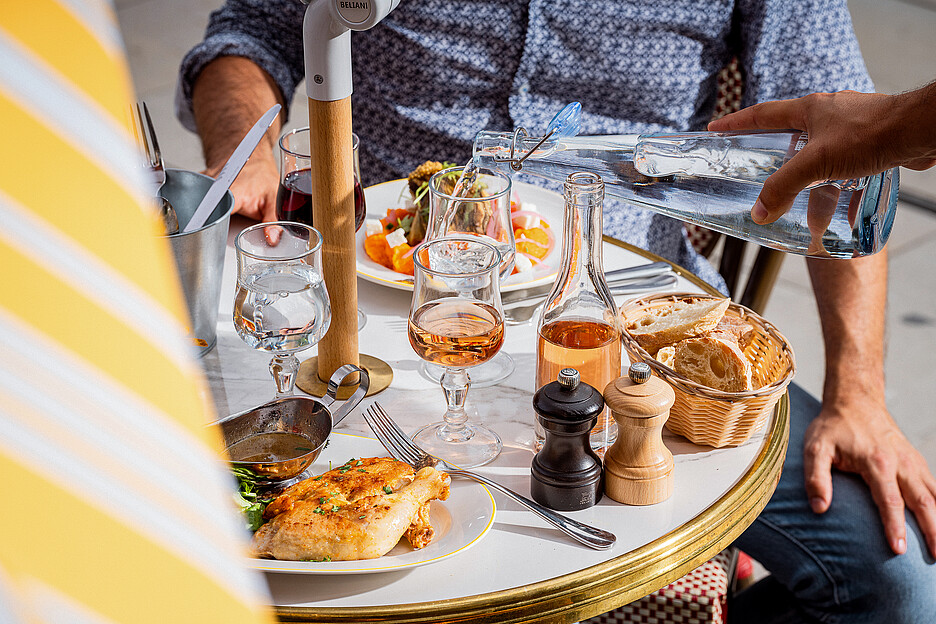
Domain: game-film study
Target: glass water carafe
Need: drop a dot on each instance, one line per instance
(708, 178)
(578, 326)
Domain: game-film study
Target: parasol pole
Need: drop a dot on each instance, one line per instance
(327, 49)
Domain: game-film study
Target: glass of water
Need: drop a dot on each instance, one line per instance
(473, 202)
(281, 305)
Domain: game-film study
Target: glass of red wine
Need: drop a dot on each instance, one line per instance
(294, 196)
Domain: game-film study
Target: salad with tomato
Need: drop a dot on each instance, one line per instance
(390, 241)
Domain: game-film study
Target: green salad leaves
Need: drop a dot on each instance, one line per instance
(248, 499)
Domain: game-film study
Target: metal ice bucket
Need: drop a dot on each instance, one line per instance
(199, 254)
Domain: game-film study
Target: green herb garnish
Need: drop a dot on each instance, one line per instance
(251, 504)
(387, 489)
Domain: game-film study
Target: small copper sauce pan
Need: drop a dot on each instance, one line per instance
(302, 415)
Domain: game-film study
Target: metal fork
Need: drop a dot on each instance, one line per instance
(402, 448)
(145, 133)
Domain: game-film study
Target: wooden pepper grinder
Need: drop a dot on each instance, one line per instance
(566, 473)
(639, 467)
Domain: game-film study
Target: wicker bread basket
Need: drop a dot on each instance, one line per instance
(714, 417)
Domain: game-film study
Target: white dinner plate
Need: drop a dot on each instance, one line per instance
(459, 522)
(381, 197)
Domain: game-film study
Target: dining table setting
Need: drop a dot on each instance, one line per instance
(496, 554)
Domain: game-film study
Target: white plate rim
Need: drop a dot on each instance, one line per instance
(549, 203)
(464, 494)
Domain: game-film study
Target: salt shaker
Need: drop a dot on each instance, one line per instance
(566, 473)
(639, 467)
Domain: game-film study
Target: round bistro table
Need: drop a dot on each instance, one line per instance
(522, 569)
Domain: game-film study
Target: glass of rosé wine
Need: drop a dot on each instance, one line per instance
(456, 321)
(467, 201)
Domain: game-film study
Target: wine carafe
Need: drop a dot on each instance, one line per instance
(578, 326)
(708, 178)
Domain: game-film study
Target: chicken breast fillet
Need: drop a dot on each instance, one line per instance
(357, 511)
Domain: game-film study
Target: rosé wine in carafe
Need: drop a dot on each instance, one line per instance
(578, 326)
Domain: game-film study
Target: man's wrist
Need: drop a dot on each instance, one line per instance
(915, 114)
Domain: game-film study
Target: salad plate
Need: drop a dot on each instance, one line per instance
(459, 522)
(393, 194)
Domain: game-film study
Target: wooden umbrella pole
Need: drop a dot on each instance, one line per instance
(333, 216)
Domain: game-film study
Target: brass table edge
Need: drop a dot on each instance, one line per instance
(606, 586)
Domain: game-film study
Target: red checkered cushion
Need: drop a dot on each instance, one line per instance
(702, 239)
(697, 598)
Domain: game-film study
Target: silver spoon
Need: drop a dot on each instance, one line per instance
(168, 215)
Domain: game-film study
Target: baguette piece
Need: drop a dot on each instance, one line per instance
(683, 320)
(666, 356)
(734, 328)
(714, 362)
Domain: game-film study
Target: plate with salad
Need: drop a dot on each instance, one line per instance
(393, 228)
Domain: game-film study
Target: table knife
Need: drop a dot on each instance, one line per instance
(617, 277)
(230, 170)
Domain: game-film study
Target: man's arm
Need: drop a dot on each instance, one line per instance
(231, 93)
(854, 431)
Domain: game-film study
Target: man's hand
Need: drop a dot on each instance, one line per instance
(255, 187)
(850, 135)
(861, 437)
(854, 431)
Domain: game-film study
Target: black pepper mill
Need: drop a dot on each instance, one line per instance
(566, 473)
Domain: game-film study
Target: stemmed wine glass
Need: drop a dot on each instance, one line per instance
(468, 201)
(294, 195)
(456, 321)
(281, 304)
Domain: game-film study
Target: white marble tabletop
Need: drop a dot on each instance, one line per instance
(520, 550)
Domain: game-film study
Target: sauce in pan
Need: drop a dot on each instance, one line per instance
(276, 446)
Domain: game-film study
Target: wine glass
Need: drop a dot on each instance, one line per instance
(281, 304)
(294, 195)
(479, 208)
(456, 321)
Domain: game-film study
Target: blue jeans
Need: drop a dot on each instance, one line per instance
(836, 566)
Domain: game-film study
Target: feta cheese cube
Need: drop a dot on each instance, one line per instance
(372, 226)
(526, 221)
(396, 238)
(522, 263)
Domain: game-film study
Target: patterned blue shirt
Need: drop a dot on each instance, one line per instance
(435, 72)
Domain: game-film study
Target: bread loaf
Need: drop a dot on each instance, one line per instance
(713, 361)
(683, 320)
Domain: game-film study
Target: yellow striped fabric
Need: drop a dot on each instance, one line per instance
(117, 507)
